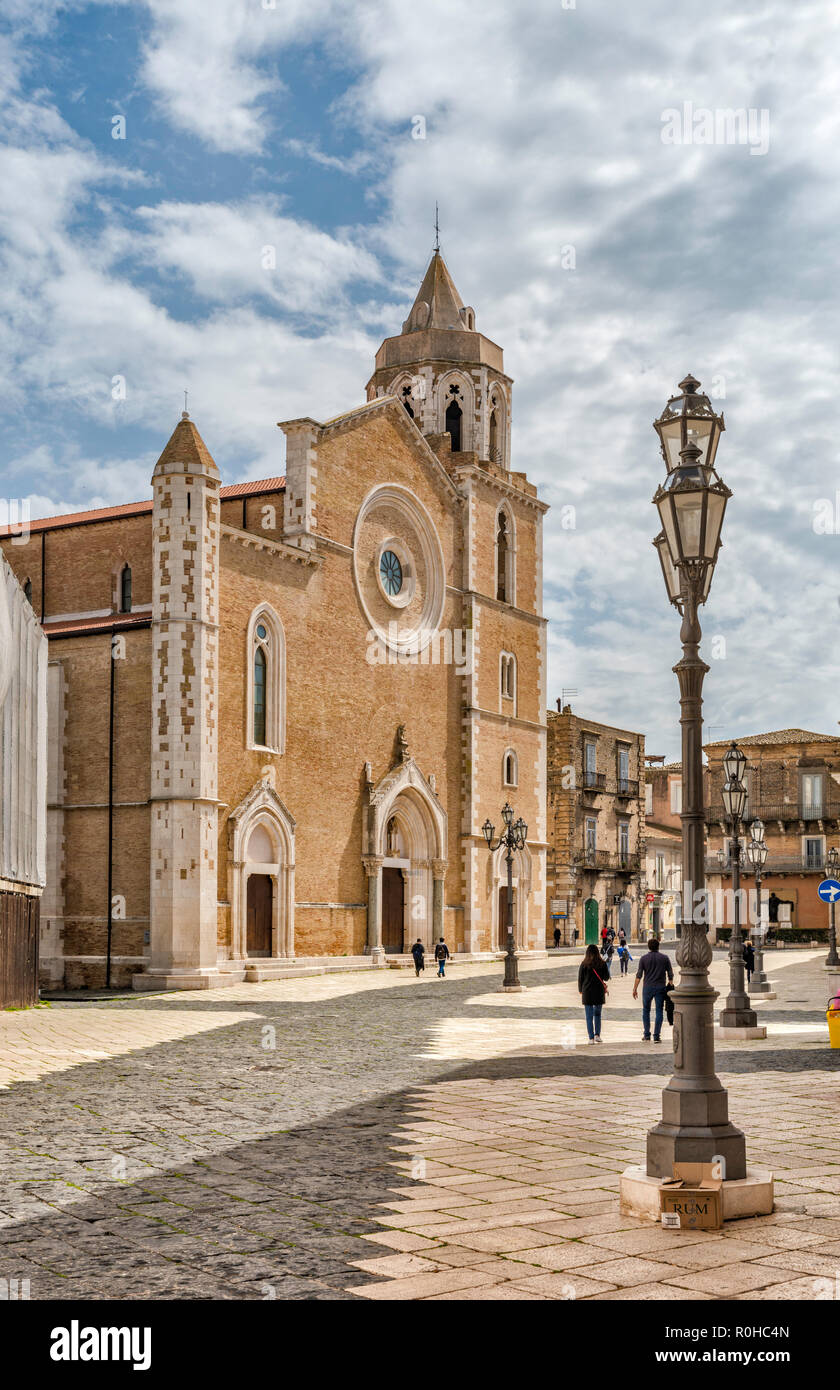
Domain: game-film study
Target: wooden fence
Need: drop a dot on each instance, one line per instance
(19, 925)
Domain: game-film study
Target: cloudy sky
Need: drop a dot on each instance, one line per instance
(292, 124)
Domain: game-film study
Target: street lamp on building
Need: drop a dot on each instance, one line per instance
(691, 502)
(757, 854)
(737, 1013)
(832, 864)
(513, 837)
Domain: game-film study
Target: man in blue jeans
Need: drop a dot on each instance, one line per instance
(656, 971)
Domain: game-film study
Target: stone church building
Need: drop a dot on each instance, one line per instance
(280, 712)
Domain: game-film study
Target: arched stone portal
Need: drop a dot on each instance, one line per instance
(404, 834)
(262, 846)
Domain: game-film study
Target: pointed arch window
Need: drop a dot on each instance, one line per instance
(266, 682)
(453, 419)
(507, 681)
(494, 434)
(125, 589)
(510, 769)
(406, 400)
(27, 590)
(505, 557)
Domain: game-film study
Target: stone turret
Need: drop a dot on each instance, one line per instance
(185, 614)
(449, 377)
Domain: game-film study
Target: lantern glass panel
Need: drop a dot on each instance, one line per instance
(734, 762)
(716, 504)
(670, 432)
(670, 573)
(689, 509)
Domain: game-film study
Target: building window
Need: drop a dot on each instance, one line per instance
(811, 796)
(390, 571)
(266, 681)
(590, 764)
(648, 798)
(676, 795)
(591, 833)
(623, 769)
(624, 841)
(501, 558)
(814, 847)
(508, 676)
(260, 672)
(125, 589)
(406, 400)
(27, 590)
(454, 415)
(660, 871)
(511, 769)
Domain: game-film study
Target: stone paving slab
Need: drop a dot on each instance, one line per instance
(313, 1139)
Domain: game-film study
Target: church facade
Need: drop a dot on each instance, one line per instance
(281, 712)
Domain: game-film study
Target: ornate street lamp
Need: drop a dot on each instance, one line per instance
(513, 837)
(832, 864)
(737, 1013)
(757, 854)
(691, 503)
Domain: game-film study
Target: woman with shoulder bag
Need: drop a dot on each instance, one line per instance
(593, 991)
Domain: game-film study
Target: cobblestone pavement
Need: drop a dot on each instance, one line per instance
(373, 1136)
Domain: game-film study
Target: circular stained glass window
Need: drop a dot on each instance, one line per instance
(261, 632)
(390, 571)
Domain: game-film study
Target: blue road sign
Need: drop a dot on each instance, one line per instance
(829, 890)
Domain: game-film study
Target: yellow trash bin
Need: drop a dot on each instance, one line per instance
(833, 1016)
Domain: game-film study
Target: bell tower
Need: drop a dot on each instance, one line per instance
(449, 377)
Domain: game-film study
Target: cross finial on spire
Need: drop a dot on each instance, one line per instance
(185, 414)
(437, 229)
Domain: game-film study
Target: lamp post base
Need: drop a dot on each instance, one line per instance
(695, 1125)
(738, 1016)
(741, 1034)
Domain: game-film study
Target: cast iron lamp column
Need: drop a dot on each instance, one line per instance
(737, 1013)
(757, 854)
(513, 837)
(695, 1125)
(832, 863)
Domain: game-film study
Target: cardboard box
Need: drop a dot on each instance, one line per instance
(691, 1200)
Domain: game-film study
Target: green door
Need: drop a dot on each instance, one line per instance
(591, 922)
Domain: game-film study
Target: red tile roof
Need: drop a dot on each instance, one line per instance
(69, 627)
(232, 493)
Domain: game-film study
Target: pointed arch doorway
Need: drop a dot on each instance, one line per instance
(260, 894)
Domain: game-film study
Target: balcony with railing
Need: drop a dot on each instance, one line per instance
(828, 809)
(776, 864)
(624, 787)
(593, 783)
(609, 859)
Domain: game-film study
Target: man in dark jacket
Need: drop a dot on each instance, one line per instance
(655, 970)
(441, 956)
(749, 959)
(418, 951)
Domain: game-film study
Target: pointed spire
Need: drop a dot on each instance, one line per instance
(186, 452)
(438, 303)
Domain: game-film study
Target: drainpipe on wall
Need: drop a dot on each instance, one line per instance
(110, 804)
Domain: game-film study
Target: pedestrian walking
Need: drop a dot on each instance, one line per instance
(749, 959)
(592, 987)
(625, 958)
(441, 956)
(557, 938)
(418, 951)
(606, 959)
(655, 970)
(574, 936)
(603, 937)
(622, 937)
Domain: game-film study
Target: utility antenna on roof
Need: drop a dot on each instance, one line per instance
(437, 229)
